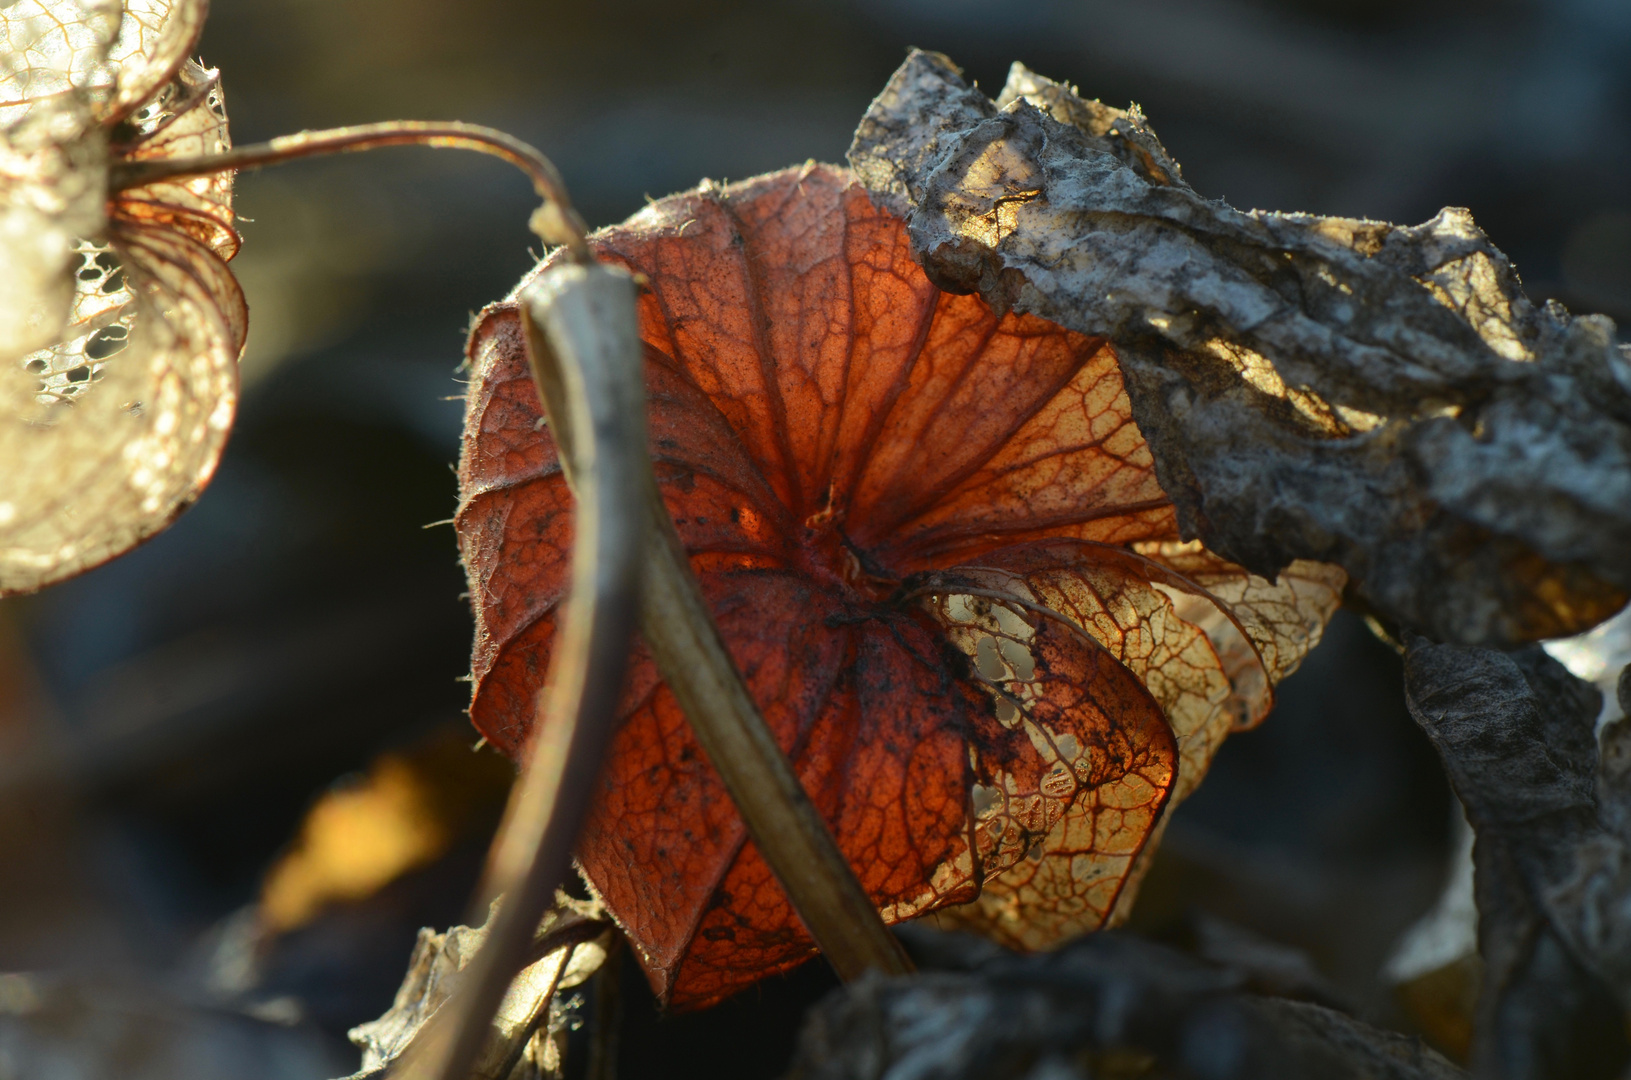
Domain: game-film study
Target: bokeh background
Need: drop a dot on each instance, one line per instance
(233, 765)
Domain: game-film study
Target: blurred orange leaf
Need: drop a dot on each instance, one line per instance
(403, 813)
(354, 840)
(935, 546)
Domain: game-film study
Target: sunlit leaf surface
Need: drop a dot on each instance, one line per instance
(915, 522)
(113, 427)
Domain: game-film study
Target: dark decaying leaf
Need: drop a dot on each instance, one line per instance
(1553, 869)
(1599, 656)
(1108, 1006)
(1381, 397)
(934, 545)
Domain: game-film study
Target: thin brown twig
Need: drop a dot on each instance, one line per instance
(557, 222)
(571, 930)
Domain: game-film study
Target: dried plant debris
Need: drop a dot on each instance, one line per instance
(529, 1032)
(1268, 967)
(1106, 1006)
(1349, 391)
(1553, 867)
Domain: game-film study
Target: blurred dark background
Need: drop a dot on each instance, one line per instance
(167, 721)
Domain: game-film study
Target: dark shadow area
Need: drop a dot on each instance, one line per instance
(1326, 828)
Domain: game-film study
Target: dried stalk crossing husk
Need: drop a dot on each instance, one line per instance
(784, 824)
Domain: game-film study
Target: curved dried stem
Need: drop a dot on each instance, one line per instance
(586, 357)
(587, 362)
(556, 221)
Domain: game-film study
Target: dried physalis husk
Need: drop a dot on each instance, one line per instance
(932, 541)
(120, 324)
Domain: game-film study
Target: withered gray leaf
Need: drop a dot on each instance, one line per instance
(1552, 874)
(1346, 391)
(1104, 1006)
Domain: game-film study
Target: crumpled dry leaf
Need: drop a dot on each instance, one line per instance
(1107, 1006)
(1552, 862)
(573, 940)
(932, 541)
(114, 424)
(1614, 770)
(1381, 397)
